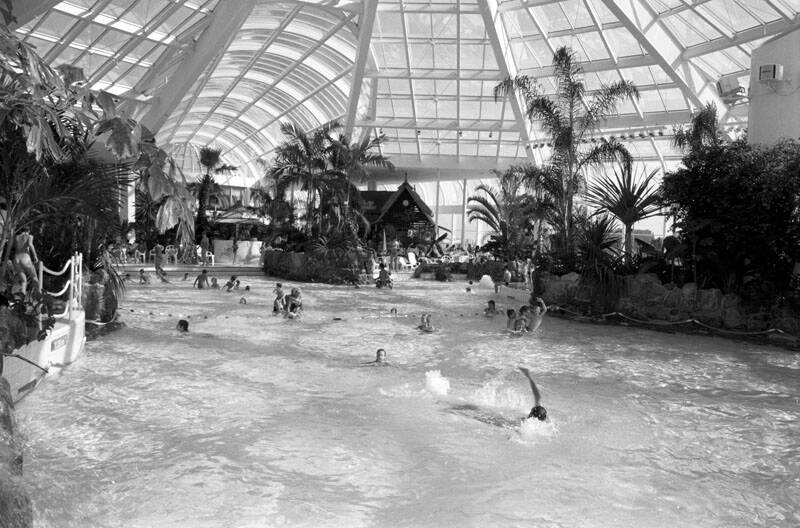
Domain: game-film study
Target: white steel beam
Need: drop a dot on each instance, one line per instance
(643, 25)
(410, 82)
(742, 37)
(26, 10)
(650, 120)
(296, 104)
(250, 63)
(366, 130)
(289, 69)
(496, 32)
(365, 24)
(228, 17)
(77, 28)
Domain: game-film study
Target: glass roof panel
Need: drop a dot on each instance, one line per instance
(432, 61)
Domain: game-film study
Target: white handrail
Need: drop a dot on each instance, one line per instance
(57, 273)
(63, 290)
(74, 285)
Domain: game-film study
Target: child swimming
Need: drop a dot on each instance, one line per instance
(512, 318)
(491, 309)
(231, 283)
(183, 325)
(143, 277)
(214, 283)
(294, 304)
(537, 411)
(469, 288)
(380, 359)
(425, 323)
(279, 304)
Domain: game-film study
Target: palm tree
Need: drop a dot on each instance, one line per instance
(703, 131)
(508, 211)
(568, 118)
(629, 198)
(211, 161)
(303, 159)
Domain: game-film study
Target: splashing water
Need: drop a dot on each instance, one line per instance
(436, 384)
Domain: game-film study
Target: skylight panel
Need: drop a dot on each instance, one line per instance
(472, 26)
(551, 17)
(419, 25)
(623, 43)
(71, 8)
(576, 13)
(592, 46)
(732, 16)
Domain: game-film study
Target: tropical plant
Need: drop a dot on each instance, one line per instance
(628, 197)
(325, 164)
(568, 118)
(303, 160)
(737, 212)
(508, 211)
(598, 258)
(703, 131)
(211, 160)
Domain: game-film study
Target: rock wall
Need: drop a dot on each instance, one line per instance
(304, 267)
(15, 506)
(644, 297)
(98, 299)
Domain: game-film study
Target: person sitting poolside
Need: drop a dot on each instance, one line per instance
(537, 411)
(425, 323)
(380, 359)
(491, 309)
(384, 277)
(183, 325)
(201, 281)
(294, 304)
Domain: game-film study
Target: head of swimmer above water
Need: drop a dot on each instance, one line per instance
(539, 413)
(380, 356)
(183, 325)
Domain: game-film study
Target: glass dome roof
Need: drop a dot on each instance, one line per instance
(227, 73)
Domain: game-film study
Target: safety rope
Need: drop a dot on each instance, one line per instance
(674, 323)
(26, 360)
(63, 290)
(57, 273)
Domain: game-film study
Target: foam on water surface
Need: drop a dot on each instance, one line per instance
(256, 420)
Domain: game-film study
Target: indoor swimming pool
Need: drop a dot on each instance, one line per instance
(252, 420)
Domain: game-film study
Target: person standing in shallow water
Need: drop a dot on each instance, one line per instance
(25, 258)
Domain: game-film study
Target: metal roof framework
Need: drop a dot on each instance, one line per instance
(227, 73)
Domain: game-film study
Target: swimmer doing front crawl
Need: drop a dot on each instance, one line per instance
(537, 411)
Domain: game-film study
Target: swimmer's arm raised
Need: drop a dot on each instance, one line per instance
(536, 394)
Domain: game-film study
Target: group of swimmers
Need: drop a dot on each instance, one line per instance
(291, 306)
(527, 319)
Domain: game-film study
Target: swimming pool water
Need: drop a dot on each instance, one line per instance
(252, 420)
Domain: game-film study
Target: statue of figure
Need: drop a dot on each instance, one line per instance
(24, 258)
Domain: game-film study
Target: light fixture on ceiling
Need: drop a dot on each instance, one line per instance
(490, 133)
(460, 133)
(419, 131)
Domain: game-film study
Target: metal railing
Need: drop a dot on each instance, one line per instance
(74, 285)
